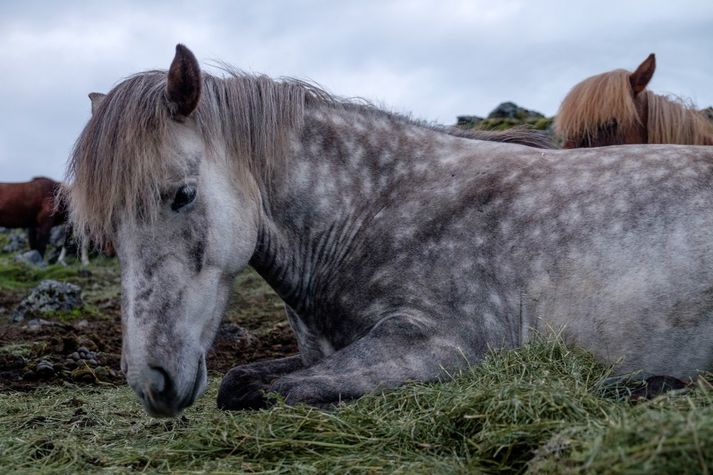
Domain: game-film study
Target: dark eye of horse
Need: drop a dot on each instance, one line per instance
(184, 196)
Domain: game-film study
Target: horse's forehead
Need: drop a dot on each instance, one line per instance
(183, 153)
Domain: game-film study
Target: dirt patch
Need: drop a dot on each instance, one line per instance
(87, 351)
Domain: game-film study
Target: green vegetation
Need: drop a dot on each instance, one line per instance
(15, 275)
(504, 123)
(99, 282)
(541, 408)
(506, 116)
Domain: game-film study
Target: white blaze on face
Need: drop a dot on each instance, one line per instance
(177, 273)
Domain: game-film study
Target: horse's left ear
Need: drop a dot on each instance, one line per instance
(183, 87)
(96, 98)
(643, 74)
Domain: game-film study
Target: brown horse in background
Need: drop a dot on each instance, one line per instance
(32, 205)
(615, 108)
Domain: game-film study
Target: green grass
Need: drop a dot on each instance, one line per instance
(504, 123)
(14, 275)
(99, 283)
(541, 408)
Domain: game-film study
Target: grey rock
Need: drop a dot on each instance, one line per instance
(17, 241)
(510, 110)
(468, 120)
(44, 369)
(49, 296)
(57, 235)
(4, 230)
(31, 258)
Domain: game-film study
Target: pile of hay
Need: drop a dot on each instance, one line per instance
(542, 408)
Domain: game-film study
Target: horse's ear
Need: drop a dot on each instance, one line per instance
(641, 77)
(96, 98)
(183, 87)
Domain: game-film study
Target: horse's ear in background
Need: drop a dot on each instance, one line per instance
(96, 98)
(643, 74)
(183, 87)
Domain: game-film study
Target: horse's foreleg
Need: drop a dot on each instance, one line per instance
(43, 237)
(62, 255)
(85, 252)
(397, 350)
(32, 237)
(243, 386)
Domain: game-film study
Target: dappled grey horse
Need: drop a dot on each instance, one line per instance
(402, 251)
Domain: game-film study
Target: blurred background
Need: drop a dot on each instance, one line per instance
(432, 59)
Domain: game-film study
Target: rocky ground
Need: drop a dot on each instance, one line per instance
(62, 325)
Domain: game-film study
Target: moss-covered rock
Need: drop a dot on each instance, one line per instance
(506, 116)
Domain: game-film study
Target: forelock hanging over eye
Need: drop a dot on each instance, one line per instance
(184, 196)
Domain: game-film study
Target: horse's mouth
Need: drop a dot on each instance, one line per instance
(196, 389)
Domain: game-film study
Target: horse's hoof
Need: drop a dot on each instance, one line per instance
(242, 389)
(657, 385)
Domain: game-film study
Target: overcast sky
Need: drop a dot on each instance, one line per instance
(434, 59)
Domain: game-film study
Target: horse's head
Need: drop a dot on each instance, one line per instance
(608, 109)
(146, 178)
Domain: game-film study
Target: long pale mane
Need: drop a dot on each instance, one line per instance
(594, 102)
(597, 100)
(673, 121)
(115, 168)
(114, 163)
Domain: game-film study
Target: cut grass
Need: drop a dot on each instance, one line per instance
(540, 408)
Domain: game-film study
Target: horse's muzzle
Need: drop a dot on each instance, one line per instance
(158, 392)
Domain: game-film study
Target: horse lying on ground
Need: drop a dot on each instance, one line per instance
(402, 252)
(615, 108)
(32, 205)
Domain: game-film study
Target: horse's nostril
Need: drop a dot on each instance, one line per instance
(158, 381)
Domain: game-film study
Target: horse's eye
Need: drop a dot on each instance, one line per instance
(184, 196)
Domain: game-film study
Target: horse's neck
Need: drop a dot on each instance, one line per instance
(345, 165)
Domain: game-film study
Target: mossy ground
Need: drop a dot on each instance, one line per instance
(96, 325)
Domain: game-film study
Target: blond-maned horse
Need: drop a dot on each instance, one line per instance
(615, 108)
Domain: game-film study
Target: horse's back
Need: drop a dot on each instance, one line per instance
(623, 259)
(614, 245)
